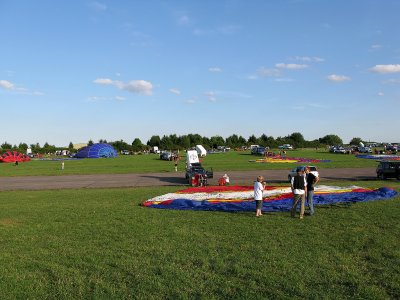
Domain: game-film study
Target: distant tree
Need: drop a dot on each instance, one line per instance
(184, 142)
(154, 141)
(267, 141)
(22, 147)
(90, 143)
(174, 141)
(206, 142)
(232, 141)
(217, 141)
(331, 139)
(195, 139)
(70, 146)
(252, 140)
(356, 141)
(36, 148)
(297, 139)
(47, 148)
(101, 141)
(120, 145)
(241, 141)
(166, 143)
(137, 145)
(313, 144)
(6, 146)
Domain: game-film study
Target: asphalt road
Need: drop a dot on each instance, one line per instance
(166, 179)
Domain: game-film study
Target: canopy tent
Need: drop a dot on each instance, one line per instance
(13, 156)
(97, 151)
(275, 198)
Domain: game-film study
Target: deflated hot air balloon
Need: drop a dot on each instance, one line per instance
(275, 198)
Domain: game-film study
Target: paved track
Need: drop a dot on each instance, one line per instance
(165, 179)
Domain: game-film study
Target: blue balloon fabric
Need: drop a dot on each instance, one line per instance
(98, 150)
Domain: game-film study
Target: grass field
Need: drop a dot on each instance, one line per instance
(230, 161)
(99, 243)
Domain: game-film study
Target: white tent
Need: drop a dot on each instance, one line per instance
(200, 150)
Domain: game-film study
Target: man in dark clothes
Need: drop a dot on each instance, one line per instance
(311, 181)
(299, 190)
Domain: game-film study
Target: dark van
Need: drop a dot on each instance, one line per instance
(388, 169)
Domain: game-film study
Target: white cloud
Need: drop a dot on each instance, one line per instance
(317, 105)
(6, 85)
(291, 66)
(297, 107)
(376, 46)
(384, 69)
(98, 6)
(183, 20)
(175, 91)
(135, 86)
(309, 58)
(252, 77)
(223, 30)
(381, 94)
(228, 29)
(139, 86)
(105, 81)
(99, 98)
(338, 78)
(96, 98)
(284, 79)
(265, 72)
(211, 96)
(215, 69)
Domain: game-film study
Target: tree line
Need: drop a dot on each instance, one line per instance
(174, 142)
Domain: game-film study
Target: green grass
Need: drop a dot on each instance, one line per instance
(231, 161)
(99, 243)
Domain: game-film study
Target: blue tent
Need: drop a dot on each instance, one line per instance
(97, 151)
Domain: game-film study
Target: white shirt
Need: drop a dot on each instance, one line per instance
(258, 190)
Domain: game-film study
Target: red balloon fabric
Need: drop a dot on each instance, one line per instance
(13, 156)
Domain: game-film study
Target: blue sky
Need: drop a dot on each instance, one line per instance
(80, 70)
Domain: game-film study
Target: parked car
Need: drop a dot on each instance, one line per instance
(125, 152)
(197, 168)
(337, 149)
(364, 150)
(259, 150)
(388, 169)
(294, 171)
(286, 147)
(165, 155)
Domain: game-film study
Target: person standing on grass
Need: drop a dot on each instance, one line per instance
(299, 190)
(259, 186)
(312, 180)
(176, 161)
